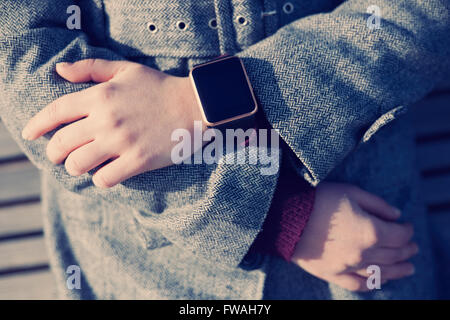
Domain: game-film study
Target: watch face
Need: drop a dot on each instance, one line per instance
(223, 90)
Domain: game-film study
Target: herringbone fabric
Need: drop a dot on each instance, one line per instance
(330, 86)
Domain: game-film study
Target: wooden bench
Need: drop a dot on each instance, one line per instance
(24, 271)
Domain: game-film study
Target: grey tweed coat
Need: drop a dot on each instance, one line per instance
(334, 89)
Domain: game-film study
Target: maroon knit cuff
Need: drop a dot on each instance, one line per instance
(291, 207)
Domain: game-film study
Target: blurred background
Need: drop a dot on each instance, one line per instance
(24, 270)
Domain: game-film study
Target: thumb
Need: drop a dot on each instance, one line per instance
(97, 70)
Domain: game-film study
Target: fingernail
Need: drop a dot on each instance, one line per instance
(412, 271)
(25, 134)
(63, 64)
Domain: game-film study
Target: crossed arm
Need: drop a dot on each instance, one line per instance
(337, 95)
(101, 128)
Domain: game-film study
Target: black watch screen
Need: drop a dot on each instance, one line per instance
(223, 90)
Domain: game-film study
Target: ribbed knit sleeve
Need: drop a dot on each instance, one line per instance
(291, 207)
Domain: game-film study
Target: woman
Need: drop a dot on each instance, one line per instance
(327, 83)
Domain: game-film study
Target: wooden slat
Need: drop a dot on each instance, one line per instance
(436, 190)
(432, 115)
(434, 155)
(22, 253)
(18, 181)
(33, 286)
(8, 147)
(20, 219)
(440, 227)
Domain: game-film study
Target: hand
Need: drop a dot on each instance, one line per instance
(350, 229)
(128, 118)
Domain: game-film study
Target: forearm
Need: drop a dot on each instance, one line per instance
(191, 205)
(324, 80)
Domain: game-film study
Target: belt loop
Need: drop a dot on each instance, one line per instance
(270, 17)
(225, 28)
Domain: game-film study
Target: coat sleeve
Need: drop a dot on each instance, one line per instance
(328, 82)
(214, 211)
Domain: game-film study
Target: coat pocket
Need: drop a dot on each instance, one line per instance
(150, 237)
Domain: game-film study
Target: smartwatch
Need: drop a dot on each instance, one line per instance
(224, 93)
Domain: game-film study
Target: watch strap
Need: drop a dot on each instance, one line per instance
(243, 123)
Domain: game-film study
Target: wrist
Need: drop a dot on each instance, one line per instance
(291, 207)
(183, 103)
(190, 104)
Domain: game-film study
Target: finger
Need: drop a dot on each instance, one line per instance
(352, 282)
(97, 70)
(393, 235)
(357, 281)
(392, 271)
(114, 173)
(391, 255)
(376, 205)
(69, 138)
(65, 109)
(87, 157)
